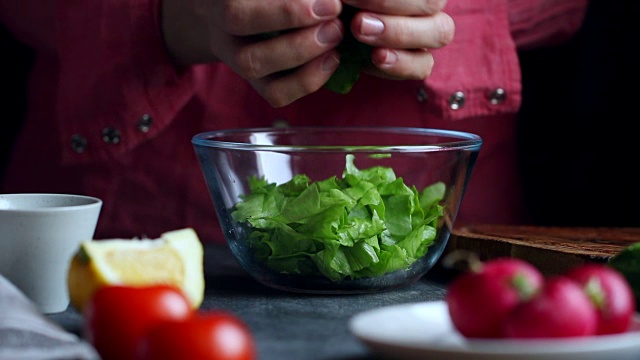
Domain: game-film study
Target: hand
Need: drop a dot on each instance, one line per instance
(282, 68)
(402, 32)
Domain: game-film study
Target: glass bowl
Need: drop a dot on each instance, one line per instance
(336, 210)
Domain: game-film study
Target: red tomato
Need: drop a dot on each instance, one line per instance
(561, 309)
(116, 316)
(610, 293)
(213, 335)
(479, 301)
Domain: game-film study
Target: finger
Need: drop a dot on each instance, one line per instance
(259, 59)
(399, 7)
(252, 17)
(403, 32)
(282, 89)
(401, 64)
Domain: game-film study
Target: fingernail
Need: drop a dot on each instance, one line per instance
(390, 58)
(329, 33)
(371, 26)
(324, 8)
(330, 63)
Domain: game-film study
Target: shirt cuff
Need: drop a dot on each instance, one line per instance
(546, 22)
(478, 73)
(117, 84)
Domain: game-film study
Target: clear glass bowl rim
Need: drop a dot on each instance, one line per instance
(460, 140)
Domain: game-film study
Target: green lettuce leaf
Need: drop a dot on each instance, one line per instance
(365, 224)
(354, 55)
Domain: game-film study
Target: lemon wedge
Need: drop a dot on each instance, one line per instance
(176, 258)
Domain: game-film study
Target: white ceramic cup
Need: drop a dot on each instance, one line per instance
(39, 234)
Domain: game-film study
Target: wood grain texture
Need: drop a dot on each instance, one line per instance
(552, 249)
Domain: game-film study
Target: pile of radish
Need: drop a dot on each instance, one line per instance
(511, 298)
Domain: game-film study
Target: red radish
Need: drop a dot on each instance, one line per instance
(561, 309)
(610, 293)
(480, 300)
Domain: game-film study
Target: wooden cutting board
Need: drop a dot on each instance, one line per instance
(552, 249)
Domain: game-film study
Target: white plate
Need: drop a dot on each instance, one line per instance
(424, 331)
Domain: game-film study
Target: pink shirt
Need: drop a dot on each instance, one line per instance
(109, 115)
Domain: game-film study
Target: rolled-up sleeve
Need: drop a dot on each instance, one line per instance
(545, 22)
(479, 73)
(113, 72)
(481, 60)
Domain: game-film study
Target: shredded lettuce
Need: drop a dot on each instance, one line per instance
(365, 224)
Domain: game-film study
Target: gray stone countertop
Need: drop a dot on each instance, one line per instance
(289, 325)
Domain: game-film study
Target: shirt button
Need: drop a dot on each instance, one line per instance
(78, 143)
(456, 100)
(111, 135)
(144, 123)
(497, 96)
(422, 95)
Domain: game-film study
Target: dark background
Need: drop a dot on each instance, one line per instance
(579, 143)
(579, 148)
(16, 63)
